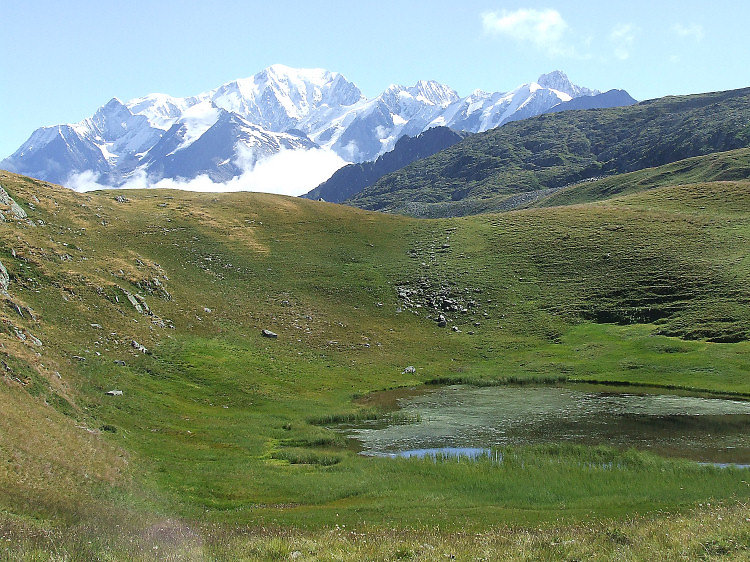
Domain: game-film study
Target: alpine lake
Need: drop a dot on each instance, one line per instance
(466, 422)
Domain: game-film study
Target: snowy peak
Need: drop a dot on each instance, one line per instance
(427, 92)
(111, 121)
(278, 108)
(279, 97)
(161, 110)
(433, 93)
(558, 80)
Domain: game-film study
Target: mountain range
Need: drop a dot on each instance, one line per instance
(512, 165)
(226, 131)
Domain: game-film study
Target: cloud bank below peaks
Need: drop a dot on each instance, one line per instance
(288, 172)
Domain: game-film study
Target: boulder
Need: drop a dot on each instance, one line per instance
(134, 302)
(35, 340)
(269, 334)
(114, 393)
(4, 279)
(138, 347)
(411, 369)
(14, 208)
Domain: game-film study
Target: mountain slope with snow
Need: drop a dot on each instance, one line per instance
(224, 132)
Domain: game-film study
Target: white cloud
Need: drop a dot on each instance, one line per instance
(692, 31)
(544, 29)
(289, 172)
(623, 38)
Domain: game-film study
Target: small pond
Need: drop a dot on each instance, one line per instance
(471, 421)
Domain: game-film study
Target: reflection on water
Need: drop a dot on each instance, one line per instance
(476, 419)
(444, 452)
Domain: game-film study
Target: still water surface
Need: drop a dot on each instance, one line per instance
(460, 419)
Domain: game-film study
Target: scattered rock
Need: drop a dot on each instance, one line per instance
(154, 286)
(269, 334)
(441, 321)
(35, 340)
(411, 369)
(114, 393)
(98, 326)
(206, 310)
(455, 329)
(79, 358)
(119, 362)
(142, 301)
(16, 307)
(121, 199)
(134, 301)
(138, 347)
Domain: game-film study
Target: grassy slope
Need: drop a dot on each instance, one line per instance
(733, 165)
(210, 421)
(554, 150)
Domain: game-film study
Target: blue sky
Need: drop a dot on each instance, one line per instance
(59, 61)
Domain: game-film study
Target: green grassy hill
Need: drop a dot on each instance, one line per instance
(733, 165)
(214, 447)
(509, 166)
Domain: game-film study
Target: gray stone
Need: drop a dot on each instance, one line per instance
(35, 340)
(119, 362)
(4, 279)
(142, 301)
(138, 347)
(133, 301)
(269, 334)
(411, 369)
(114, 393)
(15, 209)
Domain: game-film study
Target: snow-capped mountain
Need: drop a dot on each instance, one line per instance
(225, 131)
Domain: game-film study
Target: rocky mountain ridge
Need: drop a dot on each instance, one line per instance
(226, 131)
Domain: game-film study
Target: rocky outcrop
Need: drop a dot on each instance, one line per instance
(11, 207)
(4, 279)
